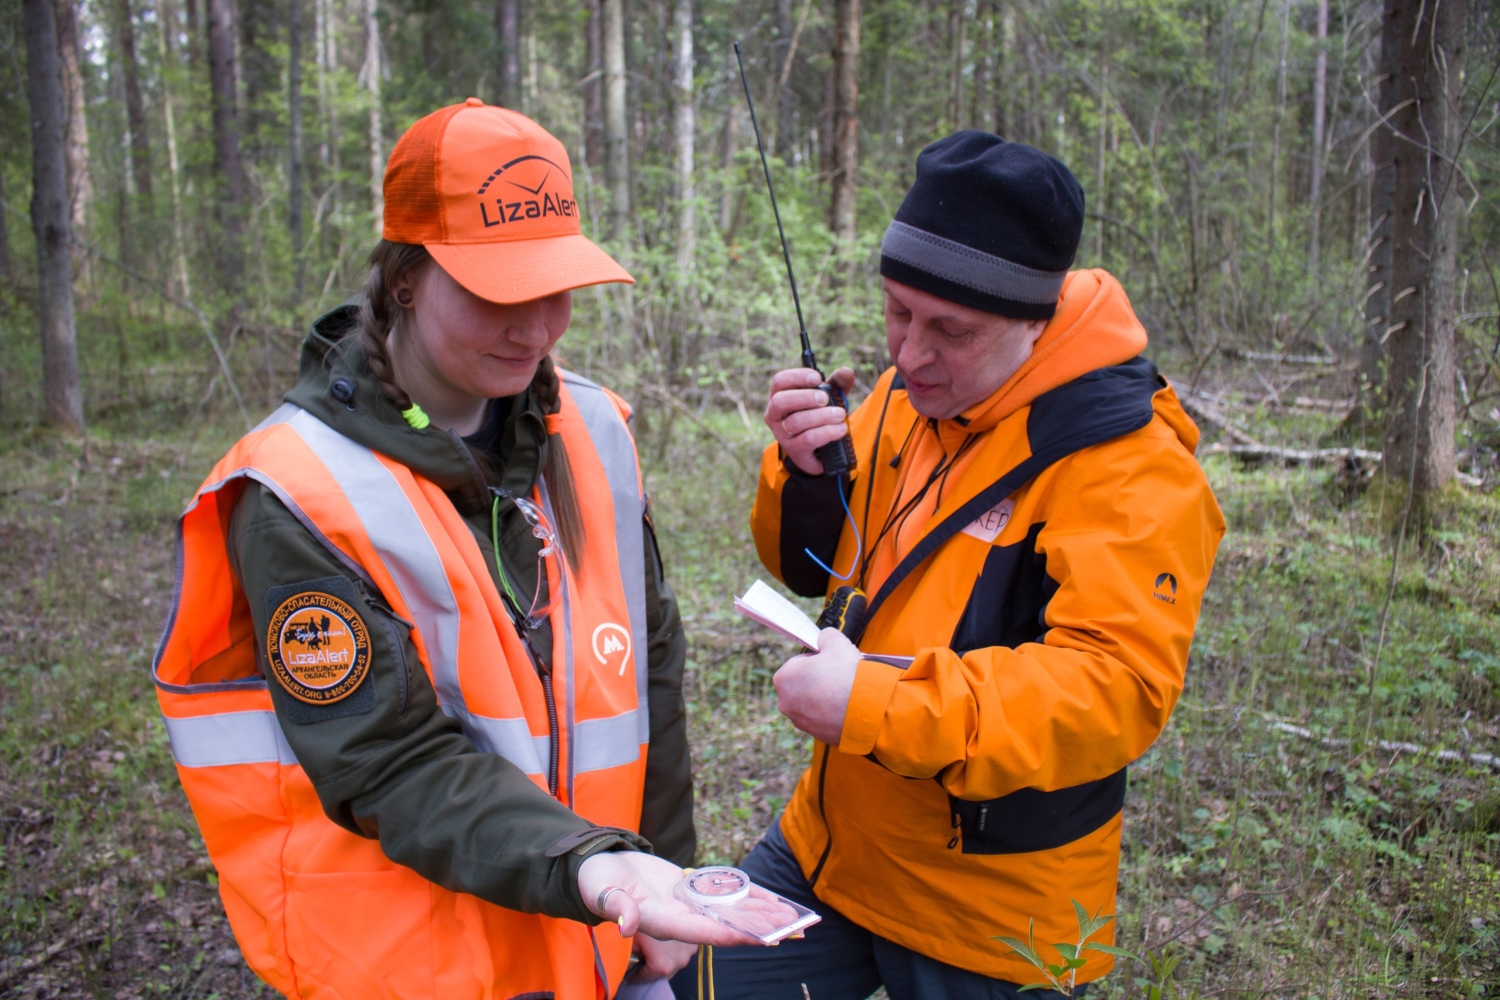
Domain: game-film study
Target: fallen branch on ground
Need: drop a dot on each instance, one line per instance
(75, 940)
(1316, 456)
(1201, 407)
(1395, 746)
(1293, 456)
(1286, 359)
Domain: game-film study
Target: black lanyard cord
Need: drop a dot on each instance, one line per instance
(899, 517)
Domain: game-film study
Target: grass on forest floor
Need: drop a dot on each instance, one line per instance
(1272, 862)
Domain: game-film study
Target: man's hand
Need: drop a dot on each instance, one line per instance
(813, 689)
(646, 902)
(800, 417)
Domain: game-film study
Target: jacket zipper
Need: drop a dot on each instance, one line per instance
(545, 674)
(389, 619)
(823, 812)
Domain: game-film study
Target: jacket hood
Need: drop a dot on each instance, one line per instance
(331, 353)
(1094, 328)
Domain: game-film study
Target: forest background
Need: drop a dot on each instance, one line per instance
(1299, 196)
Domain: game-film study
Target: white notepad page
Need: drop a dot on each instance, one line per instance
(777, 613)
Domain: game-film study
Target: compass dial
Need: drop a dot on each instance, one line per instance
(718, 886)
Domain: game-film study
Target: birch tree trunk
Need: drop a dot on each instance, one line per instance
(294, 139)
(1007, 40)
(76, 123)
(1424, 301)
(135, 115)
(782, 118)
(328, 144)
(593, 90)
(166, 27)
(508, 29)
(616, 148)
(726, 183)
(62, 398)
(981, 112)
(221, 77)
(5, 268)
(1101, 182)
(957, 35)
(1319, 125)
(683, 127)
(373, 71)
(845, 119)
(779, 120)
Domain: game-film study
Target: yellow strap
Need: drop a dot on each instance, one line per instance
(706, 954)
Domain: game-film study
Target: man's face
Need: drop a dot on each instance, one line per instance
(951, 356)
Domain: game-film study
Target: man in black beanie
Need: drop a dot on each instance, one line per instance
(1033, 536)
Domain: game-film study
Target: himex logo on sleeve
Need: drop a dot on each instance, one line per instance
(319, 648)
(610, 639)
(1166, 588)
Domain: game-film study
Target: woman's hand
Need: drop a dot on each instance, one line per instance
(800, 416)
(660, 959)
(646, 903)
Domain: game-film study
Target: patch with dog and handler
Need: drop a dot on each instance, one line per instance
(318, 646)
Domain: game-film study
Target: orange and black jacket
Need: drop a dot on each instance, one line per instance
(1042, 559)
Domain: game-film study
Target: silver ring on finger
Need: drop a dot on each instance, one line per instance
(604, 897)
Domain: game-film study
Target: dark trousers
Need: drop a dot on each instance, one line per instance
(837, 960)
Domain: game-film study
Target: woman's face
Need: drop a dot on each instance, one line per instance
(467, 346)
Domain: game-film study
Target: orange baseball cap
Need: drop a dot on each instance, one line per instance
(489, 193)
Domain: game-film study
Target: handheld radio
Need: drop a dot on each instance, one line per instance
(838, 457)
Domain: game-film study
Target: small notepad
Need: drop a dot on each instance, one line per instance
(778, 614)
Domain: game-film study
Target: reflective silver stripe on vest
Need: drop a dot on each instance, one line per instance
(252, 737)
(511, 739)
(616, 450)
(604, 743)
(398, 534)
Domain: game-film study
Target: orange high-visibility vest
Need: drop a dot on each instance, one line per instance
(319, 911)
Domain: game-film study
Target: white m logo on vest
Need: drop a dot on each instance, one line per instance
(609, 639)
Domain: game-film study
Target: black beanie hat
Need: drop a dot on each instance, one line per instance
(988, 224)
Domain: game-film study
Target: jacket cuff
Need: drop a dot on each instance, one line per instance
(874, 684)
(574, 849)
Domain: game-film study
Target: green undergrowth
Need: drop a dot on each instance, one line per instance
(1296, 831)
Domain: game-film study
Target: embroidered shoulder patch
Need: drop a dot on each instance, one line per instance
(319, 647)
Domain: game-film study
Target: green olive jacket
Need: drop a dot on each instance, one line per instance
(393, 766)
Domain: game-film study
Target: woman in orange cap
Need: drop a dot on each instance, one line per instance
(422, 642)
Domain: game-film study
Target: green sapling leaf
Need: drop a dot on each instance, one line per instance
(1020, 948)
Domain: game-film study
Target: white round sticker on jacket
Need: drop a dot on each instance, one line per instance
(987, 526)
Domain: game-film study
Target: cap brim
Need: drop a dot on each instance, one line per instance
(522, 270)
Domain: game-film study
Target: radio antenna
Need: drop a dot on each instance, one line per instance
(808, 360)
